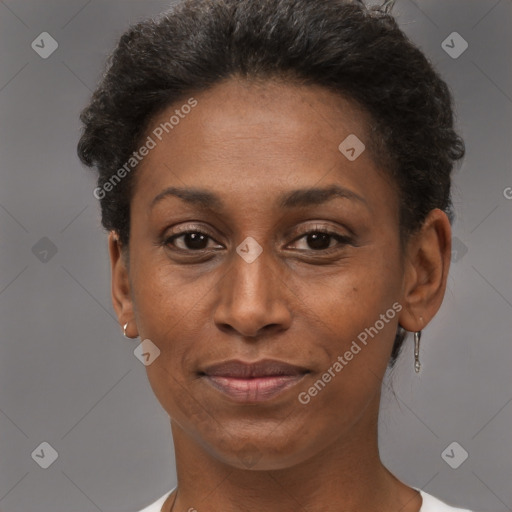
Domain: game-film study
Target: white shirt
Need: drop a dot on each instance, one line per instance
(430, 504)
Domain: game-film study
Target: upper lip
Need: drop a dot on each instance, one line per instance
(263, 368)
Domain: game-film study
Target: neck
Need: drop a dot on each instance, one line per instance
(348, 473)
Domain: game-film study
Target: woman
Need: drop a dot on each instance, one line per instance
(275, 178)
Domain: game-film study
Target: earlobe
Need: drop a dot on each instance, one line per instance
(427, 265)
(120, 285)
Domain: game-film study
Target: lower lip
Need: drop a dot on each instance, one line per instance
(257, 389)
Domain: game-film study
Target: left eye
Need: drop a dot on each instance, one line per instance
(320, 240)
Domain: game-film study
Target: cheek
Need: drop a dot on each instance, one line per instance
(169, 311)
(173, 308)
(357, 314)
(166, 302)
(351, 299)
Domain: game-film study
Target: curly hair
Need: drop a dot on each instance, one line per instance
(357, 51)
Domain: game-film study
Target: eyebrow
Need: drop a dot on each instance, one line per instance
(293, 199)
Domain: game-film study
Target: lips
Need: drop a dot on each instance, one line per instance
(264, 368)
(253, 382)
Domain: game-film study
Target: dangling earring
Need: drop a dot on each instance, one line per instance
(417, 338)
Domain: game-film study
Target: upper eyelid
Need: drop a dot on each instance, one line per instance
(301, 231)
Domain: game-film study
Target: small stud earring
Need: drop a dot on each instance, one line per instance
(417, 338)
(124, 330)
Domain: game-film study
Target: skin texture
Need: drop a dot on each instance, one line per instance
(249, 143)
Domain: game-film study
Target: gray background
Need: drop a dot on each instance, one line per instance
(68, 377)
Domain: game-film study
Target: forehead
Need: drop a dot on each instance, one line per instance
(250, 138)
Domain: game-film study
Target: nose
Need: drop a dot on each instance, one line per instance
(252, 299)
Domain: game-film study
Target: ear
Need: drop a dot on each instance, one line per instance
(427, 262)
(120, 285)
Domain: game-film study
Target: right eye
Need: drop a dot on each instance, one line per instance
(192, 241)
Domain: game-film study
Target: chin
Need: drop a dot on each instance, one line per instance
(261, 451)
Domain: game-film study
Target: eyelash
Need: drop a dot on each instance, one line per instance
(342, 240)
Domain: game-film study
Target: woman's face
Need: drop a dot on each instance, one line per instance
(264, 159)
